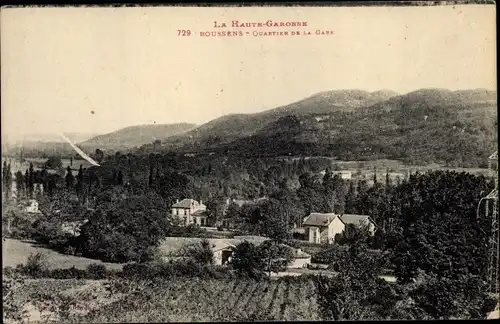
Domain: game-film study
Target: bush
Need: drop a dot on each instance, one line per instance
(70, 273)
(220, 228)
(191, 230)
(330, 255)
(97, 271)
(47, 232)
(137, 271)
(200, 252)
(36, 265)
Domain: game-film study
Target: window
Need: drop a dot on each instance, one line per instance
(202, 221)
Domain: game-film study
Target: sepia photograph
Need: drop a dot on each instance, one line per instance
(249, 163)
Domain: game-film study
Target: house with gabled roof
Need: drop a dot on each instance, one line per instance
(359, 221)
(190, 211)
(322, 228)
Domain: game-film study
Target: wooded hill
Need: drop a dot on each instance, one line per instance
(455, 128)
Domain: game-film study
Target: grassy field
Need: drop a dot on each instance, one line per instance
(16, 252)
(181, 300)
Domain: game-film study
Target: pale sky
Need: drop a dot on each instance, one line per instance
(129, 66)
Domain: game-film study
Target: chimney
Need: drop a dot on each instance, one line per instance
(177, 201)
(201, 202)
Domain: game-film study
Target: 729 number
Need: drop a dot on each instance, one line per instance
(183, 32)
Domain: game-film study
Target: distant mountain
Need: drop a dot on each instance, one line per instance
(227, 128)
(135, 136)
(43, 144)
(48, 138)
(337, 100)
(39, 149)
(455, 128)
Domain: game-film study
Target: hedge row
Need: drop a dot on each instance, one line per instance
(133, 271)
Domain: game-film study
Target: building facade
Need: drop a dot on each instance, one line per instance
(190, 211)
(322, 228)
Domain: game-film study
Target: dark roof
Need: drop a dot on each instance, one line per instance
(317, 219)
(186, 203)
(357, 220)
(218, 245)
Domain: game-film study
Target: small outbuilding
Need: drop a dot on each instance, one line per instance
(223, 251)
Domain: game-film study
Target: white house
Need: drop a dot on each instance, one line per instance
(32, 207)
(73, 228)
(190, 211)
(322, 228)
(344, 174)
(347, 175)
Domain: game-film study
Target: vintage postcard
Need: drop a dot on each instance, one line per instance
(249, 163)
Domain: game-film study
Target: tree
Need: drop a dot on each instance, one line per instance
(275, 256)
(441, 232)
(4, 170)
(388, 181)
(355, 236)
(20, 183)
(444, 298)
(119, 178)
(348, 295)
(125, 229)
(350, 201)
(79, 182)
(99, 155)
(150, 177)
(310, 193)
(215, 209)
(173, 185)
(70, 179)
(31, 180)
(275, 220)
(247, 259)
(27, 183)
(201, 252)
(53, 162)
(8, 181)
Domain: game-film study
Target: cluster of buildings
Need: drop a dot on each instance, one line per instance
(323, 228)
(315, 228)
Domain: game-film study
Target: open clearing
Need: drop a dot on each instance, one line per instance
(16, 252)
